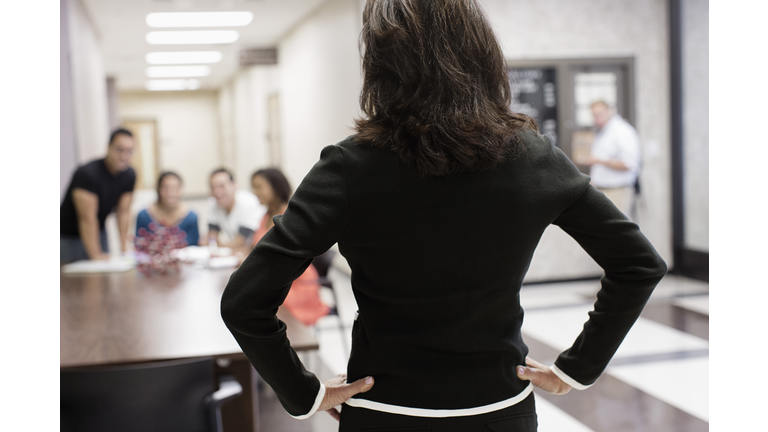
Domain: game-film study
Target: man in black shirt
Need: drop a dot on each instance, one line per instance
(96, 189)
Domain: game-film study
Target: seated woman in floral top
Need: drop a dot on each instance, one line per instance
(169, 210)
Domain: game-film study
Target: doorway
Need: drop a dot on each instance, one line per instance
(145, 160)
(558, 93)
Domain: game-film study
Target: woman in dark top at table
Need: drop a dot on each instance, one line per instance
(169, 210)
(437, 203)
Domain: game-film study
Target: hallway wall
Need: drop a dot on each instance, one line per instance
(89, 84)
(319, 67)
(84, 126)
(187, 131)
(590, 29)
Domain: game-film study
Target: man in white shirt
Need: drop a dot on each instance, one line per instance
(615, 159)
(233, 215)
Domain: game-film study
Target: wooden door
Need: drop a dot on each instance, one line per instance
(145, 160)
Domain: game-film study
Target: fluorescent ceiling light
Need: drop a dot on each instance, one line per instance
(192, 37)
(199, 19)
(172, 84)
(177, 71)
(184, 57)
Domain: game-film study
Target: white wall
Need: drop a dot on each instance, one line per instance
(695, 34)
(320, 82)
(188, 132)
(317, 80)
(68, 144)
(602, 28)
(243, 113)
(319, 66)
(89, 85)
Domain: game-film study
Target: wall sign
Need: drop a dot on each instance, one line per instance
(534, 92)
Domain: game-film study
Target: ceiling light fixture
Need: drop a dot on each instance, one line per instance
(172, 84)
(177, 71)
(199, 19)
(192, 37)
(184, 57)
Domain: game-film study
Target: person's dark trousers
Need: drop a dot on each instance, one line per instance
(520, 417)
(71, 248)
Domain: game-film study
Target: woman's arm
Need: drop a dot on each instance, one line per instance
(123, 213)
(191, 228)
(314, 220)
(142, 221)
(87, 208)
(632, 267)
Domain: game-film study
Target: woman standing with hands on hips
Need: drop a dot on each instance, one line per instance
(437, 203)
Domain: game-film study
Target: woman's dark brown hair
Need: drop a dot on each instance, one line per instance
(435, 87)
(277, 180)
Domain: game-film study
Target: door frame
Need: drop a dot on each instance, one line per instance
(565, 69)
(126, 123)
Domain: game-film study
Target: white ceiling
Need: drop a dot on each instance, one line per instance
(121, 26)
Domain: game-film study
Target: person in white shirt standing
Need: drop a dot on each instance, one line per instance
(615, 158)
(233, 215)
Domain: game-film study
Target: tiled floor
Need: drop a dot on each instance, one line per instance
(657, 382)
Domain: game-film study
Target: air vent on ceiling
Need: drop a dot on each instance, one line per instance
(258, 56)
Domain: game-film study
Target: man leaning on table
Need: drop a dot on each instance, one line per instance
(96, 189)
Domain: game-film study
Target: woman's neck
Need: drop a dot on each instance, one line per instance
(276, 208)
(164, 208)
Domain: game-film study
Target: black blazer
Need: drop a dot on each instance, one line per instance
(437, 267)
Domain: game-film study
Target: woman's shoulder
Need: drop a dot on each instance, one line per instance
(535, 144)
(190, 217)
(144, 215)
(544, 159)
(352, 152)
(352, 146)
(143, 219)
(541, 151)
(349, 143)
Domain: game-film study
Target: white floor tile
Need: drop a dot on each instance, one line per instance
(698, 304)
(584, 287)
(673, 285)
(333, 353)
(559, 328)
(342, 286)
(682, 383)
(553, 419)
(650, 337)
(542, 296)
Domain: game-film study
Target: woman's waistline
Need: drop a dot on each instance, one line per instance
(439, 413)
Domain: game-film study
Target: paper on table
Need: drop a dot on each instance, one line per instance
(113, 265)
(223, 262)
(198, 253)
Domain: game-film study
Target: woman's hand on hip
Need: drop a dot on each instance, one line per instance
(542, 377)
(337, 391)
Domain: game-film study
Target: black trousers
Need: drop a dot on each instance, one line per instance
(520, 417)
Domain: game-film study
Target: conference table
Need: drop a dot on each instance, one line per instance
(127, 317)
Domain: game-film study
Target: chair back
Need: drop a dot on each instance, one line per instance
(162, 396)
